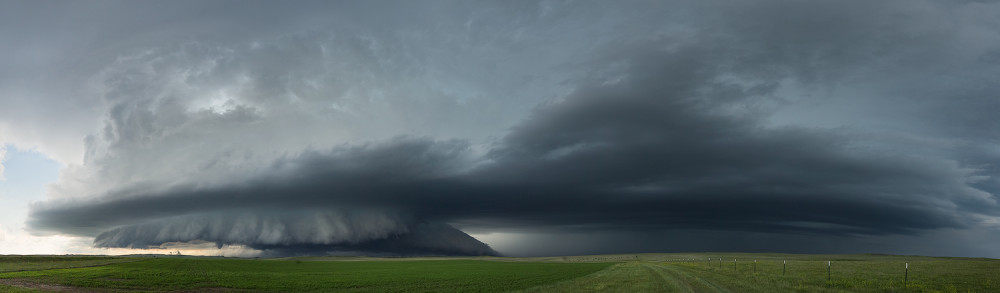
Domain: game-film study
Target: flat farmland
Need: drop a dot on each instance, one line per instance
(246, 275)
(725, 272)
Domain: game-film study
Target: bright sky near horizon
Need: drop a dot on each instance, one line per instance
(26, 174)
(522, 128)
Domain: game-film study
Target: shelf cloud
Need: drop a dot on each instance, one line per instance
(771, 121)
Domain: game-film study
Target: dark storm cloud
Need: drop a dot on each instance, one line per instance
(666, 147)
(651, 155)
(301, 232)
(345, 177)
(677, 123)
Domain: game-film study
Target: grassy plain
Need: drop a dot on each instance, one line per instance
(205, 274)
(605, 273)
(802, 273)
(46, 262)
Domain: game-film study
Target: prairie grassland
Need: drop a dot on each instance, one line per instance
(851, 273)
(691, 272)
(45, 262)
(802, 273)
(245, 275)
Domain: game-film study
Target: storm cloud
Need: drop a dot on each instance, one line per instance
(773, 121)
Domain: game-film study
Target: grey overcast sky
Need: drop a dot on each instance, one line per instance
(514, 127)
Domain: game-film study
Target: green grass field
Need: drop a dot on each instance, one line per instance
(803, 273)
(610, 273)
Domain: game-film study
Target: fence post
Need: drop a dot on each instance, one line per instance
(755, 266)
(906, 274)
(783, 263)
(734, 265)
(828, 270)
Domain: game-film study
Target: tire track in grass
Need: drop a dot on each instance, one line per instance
(679, 285)
(636, 277)
(66, 265)
(623, 277)
(691, 281)
(32, 285)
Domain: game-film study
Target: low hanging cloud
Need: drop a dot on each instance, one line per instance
(290, 232)
(338, 200)
(655, 150)
(383, 139)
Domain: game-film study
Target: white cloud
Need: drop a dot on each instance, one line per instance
(3, 157)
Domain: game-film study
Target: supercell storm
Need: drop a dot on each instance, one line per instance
(389, 128)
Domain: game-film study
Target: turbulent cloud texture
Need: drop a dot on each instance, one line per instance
(847, 121)
(292, 232)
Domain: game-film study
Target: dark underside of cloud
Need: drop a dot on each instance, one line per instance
(661, 149)
(659, 133)
(302, 233)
